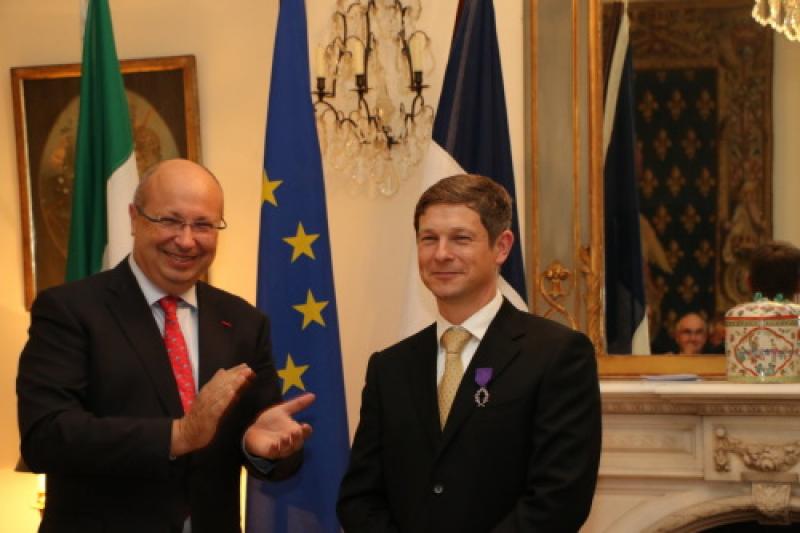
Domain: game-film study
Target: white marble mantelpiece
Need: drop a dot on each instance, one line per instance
(700, 397)
(686, 456)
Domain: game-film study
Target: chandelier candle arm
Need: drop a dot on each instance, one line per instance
(376, 130)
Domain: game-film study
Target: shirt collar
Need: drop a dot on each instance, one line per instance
(478, 323)
(152, 293)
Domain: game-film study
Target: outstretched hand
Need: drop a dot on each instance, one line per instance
(275, 434)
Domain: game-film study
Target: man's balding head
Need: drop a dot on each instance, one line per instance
(173, 204)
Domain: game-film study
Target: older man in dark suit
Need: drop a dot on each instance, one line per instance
(143, 390)
(487, 420)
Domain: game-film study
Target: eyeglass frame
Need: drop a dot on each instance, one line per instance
(176, 225)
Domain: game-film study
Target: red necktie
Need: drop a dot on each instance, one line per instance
(177, 351)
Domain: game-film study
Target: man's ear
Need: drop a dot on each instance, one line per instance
(132, 213)
(502, 246)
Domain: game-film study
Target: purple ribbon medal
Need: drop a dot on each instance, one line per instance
(482, 377)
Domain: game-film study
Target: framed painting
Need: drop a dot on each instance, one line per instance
(163, 103)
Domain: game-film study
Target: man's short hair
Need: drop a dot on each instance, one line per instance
(775, 269)
(484, 196)
(690, 314)
(139, 192)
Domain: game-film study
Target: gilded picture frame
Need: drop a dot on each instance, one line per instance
(163, 102)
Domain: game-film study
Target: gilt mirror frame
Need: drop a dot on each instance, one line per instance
(708, 366)
(585, 271)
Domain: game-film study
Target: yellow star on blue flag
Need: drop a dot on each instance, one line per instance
(311, 310)
(301, 242)
(291, 375)
(293, 190)
(268, 189)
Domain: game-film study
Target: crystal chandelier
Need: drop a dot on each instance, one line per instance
(372, 119)
(782, 15)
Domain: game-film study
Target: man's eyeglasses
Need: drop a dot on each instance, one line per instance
(176, 225)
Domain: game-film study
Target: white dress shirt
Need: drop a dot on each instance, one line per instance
(477, 324)
(187, 313)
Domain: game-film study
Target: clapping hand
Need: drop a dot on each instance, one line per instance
(197, 427)
(275, 434)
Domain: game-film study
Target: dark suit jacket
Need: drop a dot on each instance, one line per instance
(527, 461)
(96, 399)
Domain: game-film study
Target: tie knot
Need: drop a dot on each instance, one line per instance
(454, 340)
(169, 304)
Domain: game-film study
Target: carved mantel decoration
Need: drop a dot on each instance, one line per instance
(756, 456)
(768, 468)
(773, 501)
(693, 456)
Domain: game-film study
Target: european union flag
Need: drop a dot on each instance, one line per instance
(295, 289)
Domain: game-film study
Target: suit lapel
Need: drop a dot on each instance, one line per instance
(214, 329)
(421, 377)
(498, 348)
(126, 303)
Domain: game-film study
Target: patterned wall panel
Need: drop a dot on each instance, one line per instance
(704, 129)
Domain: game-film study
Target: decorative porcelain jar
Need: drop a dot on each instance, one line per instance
(761, 342)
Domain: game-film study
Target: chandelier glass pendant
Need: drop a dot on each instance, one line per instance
(782, 15)
(373, 123)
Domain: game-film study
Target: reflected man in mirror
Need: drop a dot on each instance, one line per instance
(691, 333)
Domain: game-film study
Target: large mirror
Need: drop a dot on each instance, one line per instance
(677, 178)
(687, 172)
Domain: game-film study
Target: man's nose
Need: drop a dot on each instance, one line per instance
(443, 250)
(185, 238)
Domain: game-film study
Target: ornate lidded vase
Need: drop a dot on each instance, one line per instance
(761, 341)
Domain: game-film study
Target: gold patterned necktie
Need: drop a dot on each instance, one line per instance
(453, 340)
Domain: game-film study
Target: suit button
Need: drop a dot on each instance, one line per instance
(438, 488)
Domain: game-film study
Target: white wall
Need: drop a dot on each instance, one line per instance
(786, 165)
(372, 238)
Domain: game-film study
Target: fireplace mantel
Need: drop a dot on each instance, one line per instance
(686, 456)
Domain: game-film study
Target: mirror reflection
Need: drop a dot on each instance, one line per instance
(688, 169)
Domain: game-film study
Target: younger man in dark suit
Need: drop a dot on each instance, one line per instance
(142, 390)
(487, 420)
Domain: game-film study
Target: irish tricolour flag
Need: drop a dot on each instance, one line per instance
(105, 165)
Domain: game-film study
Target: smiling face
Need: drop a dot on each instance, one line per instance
(457, 262)
(175, 259)
(691, 333)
